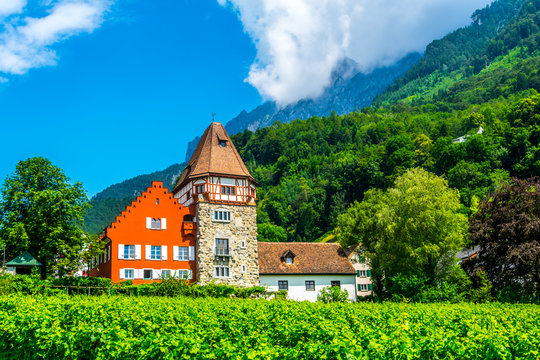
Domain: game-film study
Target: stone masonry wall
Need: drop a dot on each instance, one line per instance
(243, 226)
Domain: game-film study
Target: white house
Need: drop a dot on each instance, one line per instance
(304, 269)
(364, 285)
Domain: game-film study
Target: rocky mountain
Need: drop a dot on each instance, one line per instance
(350, 90)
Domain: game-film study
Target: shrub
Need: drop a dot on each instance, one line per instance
(333, 294)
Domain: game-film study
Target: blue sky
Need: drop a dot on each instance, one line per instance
(108, 90)
(125, 99)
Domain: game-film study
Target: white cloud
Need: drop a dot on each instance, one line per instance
(299, 42)
(8, 7)
(25, 43)
(3, 80)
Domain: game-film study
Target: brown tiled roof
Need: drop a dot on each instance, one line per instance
(210, 157)
(309, 258)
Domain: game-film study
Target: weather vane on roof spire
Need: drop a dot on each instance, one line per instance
(213, 114)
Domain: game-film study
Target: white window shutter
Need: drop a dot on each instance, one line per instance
(164, 252)
(137, 252)
(191, 253)
(175, 253)
(120, 251)
(156, 274)
(164, 223)
(148, 222)
(147, 254)
(190, 274)
(122, 273)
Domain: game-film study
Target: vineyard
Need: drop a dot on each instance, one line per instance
(180, 328)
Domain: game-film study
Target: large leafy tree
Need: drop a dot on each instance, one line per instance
(411, 230)
(507, 229)
(42, 212)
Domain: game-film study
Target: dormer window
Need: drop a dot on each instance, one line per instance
(288, 257)
(222, 143)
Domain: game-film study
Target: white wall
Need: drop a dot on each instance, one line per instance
(297, 285)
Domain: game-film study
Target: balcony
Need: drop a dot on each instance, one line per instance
(223, 252)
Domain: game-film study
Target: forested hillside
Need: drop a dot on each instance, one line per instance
(107, 204)
(468, 51)
(482, 76)
(310, 171)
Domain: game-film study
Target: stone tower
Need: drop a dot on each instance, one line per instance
(220, 188)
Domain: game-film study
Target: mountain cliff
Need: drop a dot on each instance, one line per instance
(350, 90)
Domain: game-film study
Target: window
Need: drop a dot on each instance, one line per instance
(222, 143)
(156, 223)
(129, 252)
(310, 285)
(157, 201)
(283, 285)
(222, 247)
(155, 252)
(183, 253)
(243, 267)
(199, 189)
(222, 272)
(335, 283)
(147, 274)
(360, 273)
(289, 260)
(165, 273)
(128, 273)
(243, 244)
(364, 287)
(184, 274)
(221, 215)
(227, 190)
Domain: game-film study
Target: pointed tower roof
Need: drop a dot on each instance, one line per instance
(215, 154)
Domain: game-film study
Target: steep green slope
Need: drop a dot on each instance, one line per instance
(311, 170)
(495, 31)
(107, 204)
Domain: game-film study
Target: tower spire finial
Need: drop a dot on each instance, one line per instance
(213, 114)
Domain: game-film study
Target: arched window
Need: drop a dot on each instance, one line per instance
(158, 224)
(153, 223)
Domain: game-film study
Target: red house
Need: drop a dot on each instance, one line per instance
(153, 238)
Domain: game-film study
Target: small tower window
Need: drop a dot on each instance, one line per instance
(227, 190)
(221, 215)
(222, 143)
(157, 201)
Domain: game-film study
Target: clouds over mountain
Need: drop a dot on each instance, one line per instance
(300, 42)
(27, 42)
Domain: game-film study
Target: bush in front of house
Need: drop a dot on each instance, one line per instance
(333, 294)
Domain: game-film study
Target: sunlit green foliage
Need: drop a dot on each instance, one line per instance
(181, 328)
(42, 212)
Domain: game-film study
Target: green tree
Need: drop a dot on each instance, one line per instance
(40, 211)
(412, 229)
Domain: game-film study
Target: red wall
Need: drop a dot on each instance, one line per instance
(130, 229)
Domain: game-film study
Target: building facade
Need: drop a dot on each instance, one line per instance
(364, 284)
(154, 237)
(304, 269)
(205, 230)
(217, 184)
